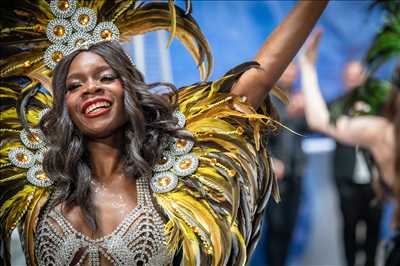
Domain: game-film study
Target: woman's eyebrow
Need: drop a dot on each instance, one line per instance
(96, 71)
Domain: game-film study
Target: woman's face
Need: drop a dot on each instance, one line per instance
(95, 96)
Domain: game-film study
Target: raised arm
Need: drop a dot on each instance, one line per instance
(355, 131)
(278, 51)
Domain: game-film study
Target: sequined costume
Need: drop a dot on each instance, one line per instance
(139, 238)
(211, 197)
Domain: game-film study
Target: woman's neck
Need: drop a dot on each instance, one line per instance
(105, 158)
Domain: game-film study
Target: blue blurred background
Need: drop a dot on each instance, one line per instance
(237, 29)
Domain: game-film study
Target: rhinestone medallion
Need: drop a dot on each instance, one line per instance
(163, 182)
(181, 146)
(21, 157)
(33, 140)
(165, 163)
(84, 19)
(59, 30)
(78, 39)
(186, 165)
(54, 53)
(105, 31)
(38, 177)
(63, 8)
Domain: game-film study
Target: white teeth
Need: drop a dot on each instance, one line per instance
(96, 105)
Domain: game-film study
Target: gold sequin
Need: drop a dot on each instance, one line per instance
(163, 160)
(164, 181)
(40, 28)
(22, 158)
(63, 5)
(33, 138)
(79, 42)
(106, 34)
(181, 143)
(240, 131)
(59, 30)
(185, 164)
(57, 56)
(41, 175)
(83, 19)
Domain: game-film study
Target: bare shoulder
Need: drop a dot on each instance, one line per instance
(362, 130)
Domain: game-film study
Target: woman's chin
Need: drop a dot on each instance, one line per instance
(101, 132)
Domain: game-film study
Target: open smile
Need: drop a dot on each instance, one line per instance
(96, 107)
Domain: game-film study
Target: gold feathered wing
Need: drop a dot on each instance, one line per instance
(214, 215)
(20, 200)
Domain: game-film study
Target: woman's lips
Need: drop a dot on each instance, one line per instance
(91, 104)
(96, 107)
(98, 112)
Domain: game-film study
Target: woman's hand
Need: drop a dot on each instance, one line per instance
(310, 53)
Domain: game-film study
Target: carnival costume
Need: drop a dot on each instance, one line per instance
(211, 192)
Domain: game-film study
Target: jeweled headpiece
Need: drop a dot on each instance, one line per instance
(73, 27)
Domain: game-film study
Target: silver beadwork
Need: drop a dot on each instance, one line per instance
(181, 146)
(105, 31)
(54, 54)
(58, 30)
(186, 164)
(78, 39)
(166, 162)
(21, 157)
(40, 153)
(84, 19)
(37, 177)
(163, 182)
(181, 118)
(138, 240)
(35, 140)
(63, 9)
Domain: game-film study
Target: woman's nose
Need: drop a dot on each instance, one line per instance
(92, 87)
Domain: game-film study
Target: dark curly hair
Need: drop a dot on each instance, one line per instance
(150, 123)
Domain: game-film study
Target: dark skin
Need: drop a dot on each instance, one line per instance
(89, 79)
(104, 131)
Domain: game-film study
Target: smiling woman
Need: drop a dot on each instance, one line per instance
(93, 90)
(109, 110)
(135, 178)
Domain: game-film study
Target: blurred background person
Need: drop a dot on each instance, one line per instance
(361, 212)
(377, 134)
(289, 162)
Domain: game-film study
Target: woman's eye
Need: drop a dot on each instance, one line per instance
(108, 78)
(73, 86)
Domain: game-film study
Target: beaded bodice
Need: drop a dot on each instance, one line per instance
(138, 240)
